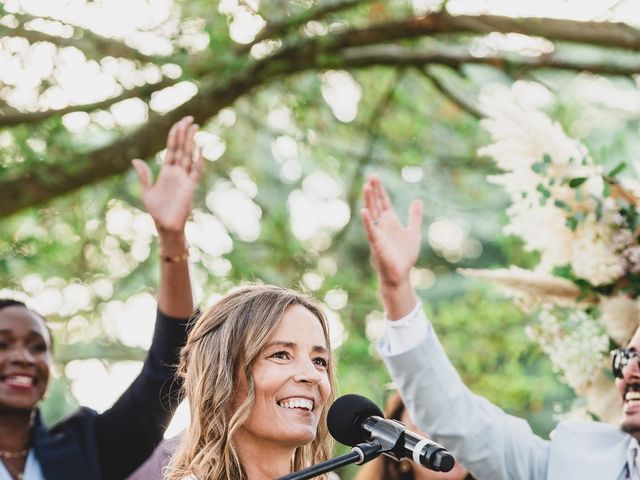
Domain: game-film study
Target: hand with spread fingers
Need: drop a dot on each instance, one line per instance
(169, 203)
(394, 247)
(110, 444)
(169, 200)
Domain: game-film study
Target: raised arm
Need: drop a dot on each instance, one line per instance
(127, 433)
(490, 443)
(169, 202)
(394, 248)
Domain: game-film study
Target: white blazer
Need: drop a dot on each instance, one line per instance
(490, 443)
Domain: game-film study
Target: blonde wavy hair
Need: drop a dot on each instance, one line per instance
(222, 346)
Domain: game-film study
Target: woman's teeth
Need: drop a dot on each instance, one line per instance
(297, 403)
(21, 380)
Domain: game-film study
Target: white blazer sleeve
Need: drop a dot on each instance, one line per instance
(489, 443)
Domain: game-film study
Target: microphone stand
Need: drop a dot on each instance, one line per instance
(361, 453)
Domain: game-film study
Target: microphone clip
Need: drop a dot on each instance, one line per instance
(388, 434)
(367, 451)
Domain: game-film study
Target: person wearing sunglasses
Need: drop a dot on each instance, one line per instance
(627, 372)
(491, 444)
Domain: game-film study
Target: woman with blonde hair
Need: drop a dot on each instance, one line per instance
(259, 376)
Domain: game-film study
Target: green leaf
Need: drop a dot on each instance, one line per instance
(544, 194)
(561, 204)
(631, 215)
(539, 167)
(598, 210)
(576, 182)
(563, 271)
(546, 158)
(606, 190)
(572, 223)
(618, 168)
(543, 191)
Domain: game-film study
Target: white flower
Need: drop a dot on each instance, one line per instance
(523, 135)
(537, 156)
(536, 287)
(593, 256)
(577, 347)
(559, 208)
(619, 315)
(544, 229)
(603, 399)
(632, 256)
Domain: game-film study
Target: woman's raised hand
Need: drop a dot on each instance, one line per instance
(170, 199)
(394, 247)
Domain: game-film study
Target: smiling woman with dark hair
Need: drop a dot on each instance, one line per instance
(110, 445)
(22, 386)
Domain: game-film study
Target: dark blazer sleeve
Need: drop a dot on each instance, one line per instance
(127, 433)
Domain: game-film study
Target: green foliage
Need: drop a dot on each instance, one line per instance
(421, 142)
(485, 340)
(59, 401)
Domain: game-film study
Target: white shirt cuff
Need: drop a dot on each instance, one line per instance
(405, 333)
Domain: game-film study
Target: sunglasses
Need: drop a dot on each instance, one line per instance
(620, 358)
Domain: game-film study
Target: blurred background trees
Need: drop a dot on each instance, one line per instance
(299, 101)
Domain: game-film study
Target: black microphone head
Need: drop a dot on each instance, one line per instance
(346, 416)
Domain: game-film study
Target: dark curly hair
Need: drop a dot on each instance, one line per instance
(9, 302)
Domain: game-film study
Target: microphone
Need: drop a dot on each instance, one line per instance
(353, 419)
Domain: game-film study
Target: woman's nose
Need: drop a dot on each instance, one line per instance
(22, 355)
(307, 372)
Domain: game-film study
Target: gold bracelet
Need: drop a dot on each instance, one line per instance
(175, 258)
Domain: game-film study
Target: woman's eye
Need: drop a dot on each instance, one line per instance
(4, 345)
(321, 362)
(282, 355)
(39, 347)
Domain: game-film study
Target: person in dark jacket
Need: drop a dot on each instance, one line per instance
(111, 445)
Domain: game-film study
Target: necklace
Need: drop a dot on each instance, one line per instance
(10, 454)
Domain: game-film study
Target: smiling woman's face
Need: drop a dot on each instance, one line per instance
(25, 358)
(291, 381)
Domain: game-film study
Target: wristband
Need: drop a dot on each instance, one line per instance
(175, 258)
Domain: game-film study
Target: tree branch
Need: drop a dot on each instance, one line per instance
(94, 46)
(142, 92)
(237, 75)
(279, 27)
(372, 129)
(45, 182)
(454, 97)
(393, 55)
(603, 34)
